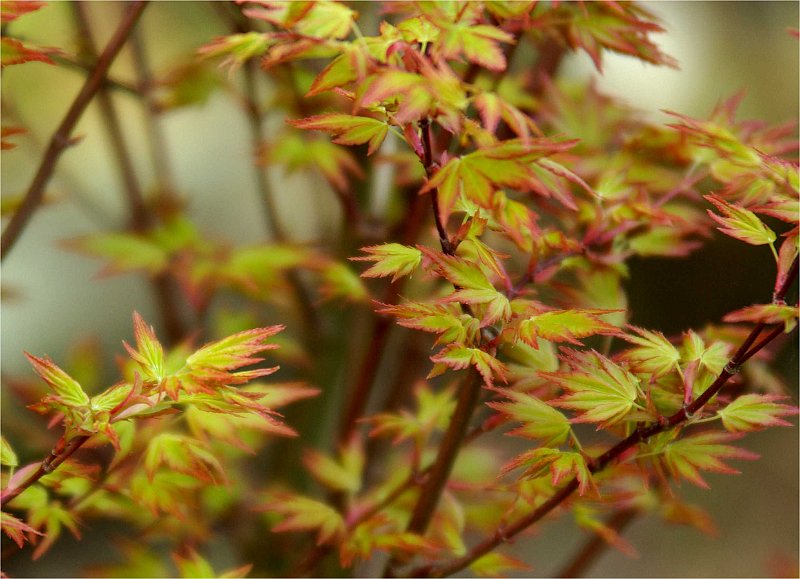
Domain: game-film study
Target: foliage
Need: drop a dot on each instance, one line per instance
(517, 202)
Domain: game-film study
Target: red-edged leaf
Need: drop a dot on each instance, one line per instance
(602, 391)
(458, 357)
(540, 421)
(391, 259)
(767, 314)
(560, 465)
(304, 514)
(703, 452)
(15, 52)
(565, 326)
(347, 129)
(740, 223)
(653, 354)
(751, 412)
(10, 10)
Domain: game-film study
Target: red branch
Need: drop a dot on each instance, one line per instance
(61, 138)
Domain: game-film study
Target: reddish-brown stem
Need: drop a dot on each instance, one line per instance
(745, 351)
(61, 138)
(48, 465)
(159, 152)
(140, 217)
(594, 547)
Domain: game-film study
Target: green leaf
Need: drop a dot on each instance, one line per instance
(125, 252)
(767, 314)
(560, 465)
(496, 565)
(740, 223)
(540, 421)
(13, 51)
(458, 357)
(66, 389)
(705, 451)
(751, 412)
(149, 353)
(304, 514)
(478, 43)
(342, 475)
(599, 389)
(347, 129)
(436, 319)
(391, 259)
(433, 413)
(565, 326)
(182, 454)
(7, 456)
(654, 354)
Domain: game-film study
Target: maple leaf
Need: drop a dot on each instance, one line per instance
(342, 475)
(767, 314)
(390, 259)
(496, 565)
(472, 285)
(436, 319)
(740, 223)
(602, 391)
(193, 565)
(305, 514)
(10, 10)
(751, 412)
(654, 354)
(10, 132)
(16, 530)
(705, 451)
(478, 43)
(458, 357)
(478, 174)
(539, 420)
(237, 48)
(565, 326)
(560, 464)
(149, 353)
(432, 413)
(347, 129)
(182, 454)
(124, 251)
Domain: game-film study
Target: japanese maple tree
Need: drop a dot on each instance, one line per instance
(517, 202)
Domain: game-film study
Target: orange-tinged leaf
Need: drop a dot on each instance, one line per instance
(13, 51)
(66, 389)
(767, 314)
(751, 412)
(391, 259)
(436, 319)
(16, 530)
(304, 514)
(10, 132)
(565, 326)
(602, 391)
(10, 10)
(560, 465)
(478, 43)
(149, 353)
(653, 352)
(458, 357)
(740, 223)
(704, 451)
(496, 565)
(339, 475)
(347, 129)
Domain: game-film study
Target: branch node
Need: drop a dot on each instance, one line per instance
(732, 368)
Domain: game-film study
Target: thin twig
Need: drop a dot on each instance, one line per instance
(61, 138)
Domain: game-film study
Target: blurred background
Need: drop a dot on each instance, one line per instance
(52, 299)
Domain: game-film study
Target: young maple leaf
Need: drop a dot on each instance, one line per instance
(560, 464)
(436, 319)
(433, 413)
(654, 354)
(347, 129)
(343, 475)
(539, 420)
(704, 451)
(478, 43)
(149, 353)
(182, 454)
(193, 565)
(751, 412)
(392, 259)
(565, 326)
(16, 530)
(767, 314)
(740, 223)
(602, 391)
(304, 514)
(458, 357)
